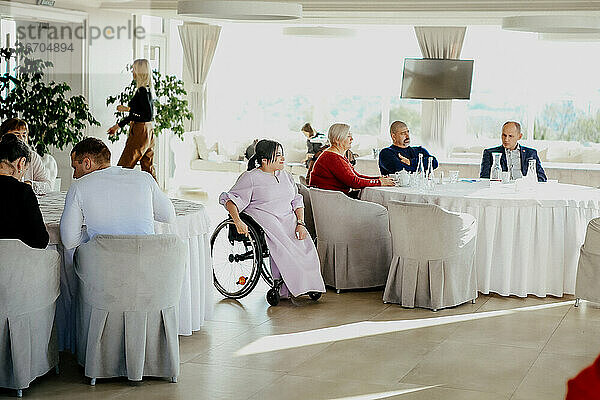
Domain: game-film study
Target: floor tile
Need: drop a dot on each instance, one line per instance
(369, 359)
(487, 368)
(212, 334)
(548, 376)
(577, 337)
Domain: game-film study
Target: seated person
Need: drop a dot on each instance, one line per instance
(311, 163)
(20, 217)
(333, 171)
(269, 195)
(109, 200)
(250, 149)
(400, 156)
(315, 141)
(515, 158)
(37, 175)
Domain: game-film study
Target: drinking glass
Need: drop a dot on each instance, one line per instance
(453, 176)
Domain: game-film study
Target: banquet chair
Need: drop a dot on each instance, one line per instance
(127, 305)
(433, 256)
(588, 268)
(308, 213)
(353, 240)
(29, 287)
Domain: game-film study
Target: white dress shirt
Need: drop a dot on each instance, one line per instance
(115, 201)
(38, 175)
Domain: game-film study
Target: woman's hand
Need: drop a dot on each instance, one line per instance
(301, 232)
(241, 227)
(386, 181)
(113, 129)
(122, 108)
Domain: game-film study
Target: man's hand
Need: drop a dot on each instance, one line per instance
(404, 159)
(301, 232)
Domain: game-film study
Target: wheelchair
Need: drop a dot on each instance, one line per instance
(239, 261)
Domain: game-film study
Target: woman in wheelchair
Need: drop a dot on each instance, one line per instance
(269, 195)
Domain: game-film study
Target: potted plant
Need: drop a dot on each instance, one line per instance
(170, 108)
(53, 117)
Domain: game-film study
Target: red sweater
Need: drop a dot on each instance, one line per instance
(334, 172)
(586, 385)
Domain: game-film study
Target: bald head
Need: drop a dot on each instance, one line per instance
(400, 134)
(511, 134)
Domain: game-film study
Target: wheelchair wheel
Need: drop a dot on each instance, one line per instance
(273, 296)
(314, 295)
(237, 260)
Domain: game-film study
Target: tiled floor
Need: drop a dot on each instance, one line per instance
(352, 346)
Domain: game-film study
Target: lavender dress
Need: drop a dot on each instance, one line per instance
(271, 201)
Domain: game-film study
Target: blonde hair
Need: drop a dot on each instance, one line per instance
(338, 132)
(142, 72)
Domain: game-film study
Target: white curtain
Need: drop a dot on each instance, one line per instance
(438, 42)
(199, 43)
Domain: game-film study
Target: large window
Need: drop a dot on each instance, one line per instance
(264, 83)
(551, 87)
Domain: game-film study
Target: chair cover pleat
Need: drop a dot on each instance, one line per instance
(588, 268)
(353, 240)
(427, 270)
(29, 287)
(129, 288)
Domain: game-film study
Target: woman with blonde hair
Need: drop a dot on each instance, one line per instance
(333, 171)
(140, 141)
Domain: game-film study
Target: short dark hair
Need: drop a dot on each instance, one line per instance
(12, 124)
(517, 125)
(93, 148)
(396, 125)
(11, 149)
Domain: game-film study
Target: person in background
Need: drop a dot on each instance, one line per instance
(109, 200)
(314, 142)
(333, 171)
(36, 175)
(269, 195)
(250, 150)
(515, 158)
(400, 155)
(20, 216)
(140, 141)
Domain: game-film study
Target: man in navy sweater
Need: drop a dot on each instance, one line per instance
(400, 155)
(515, 158)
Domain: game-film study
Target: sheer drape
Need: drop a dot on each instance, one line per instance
(199, 43)
(438, 42)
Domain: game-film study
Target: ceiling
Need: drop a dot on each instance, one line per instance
(425, 12)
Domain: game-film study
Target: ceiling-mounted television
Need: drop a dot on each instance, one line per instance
(428, 78)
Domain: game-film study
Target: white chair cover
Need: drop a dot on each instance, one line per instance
(29, 287)
(587, 286)
(433, 262)
(308, 213)
(353, 240)
(126, 313)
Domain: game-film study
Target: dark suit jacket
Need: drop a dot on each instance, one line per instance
(527, 154)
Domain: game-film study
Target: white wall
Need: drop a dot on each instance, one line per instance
(107, 76)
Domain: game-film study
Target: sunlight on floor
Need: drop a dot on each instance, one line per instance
(383, 395)
(371, 328)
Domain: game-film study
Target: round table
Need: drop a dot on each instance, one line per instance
(192, 225)
(528, 238)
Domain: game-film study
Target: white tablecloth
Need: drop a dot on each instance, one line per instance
(527, 241)
(192, 225)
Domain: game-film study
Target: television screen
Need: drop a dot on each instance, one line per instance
(428, 78)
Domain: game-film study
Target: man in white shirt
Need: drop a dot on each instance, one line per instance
(109, 200)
